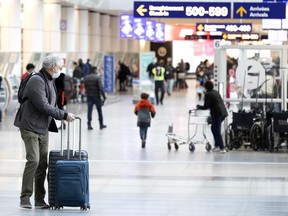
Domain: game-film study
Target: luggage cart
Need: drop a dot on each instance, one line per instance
(198, 119)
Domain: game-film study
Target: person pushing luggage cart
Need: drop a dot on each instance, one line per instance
(215, 104)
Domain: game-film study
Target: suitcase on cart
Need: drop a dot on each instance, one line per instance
(68, 154)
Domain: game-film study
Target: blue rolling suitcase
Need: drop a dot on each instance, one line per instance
(72, 179)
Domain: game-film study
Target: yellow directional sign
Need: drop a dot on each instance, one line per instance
(200, 28)
(141, 10)
(241, 11)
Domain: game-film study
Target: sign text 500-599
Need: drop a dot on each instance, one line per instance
(211, 12)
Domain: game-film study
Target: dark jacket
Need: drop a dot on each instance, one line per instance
(214, 102)
(123, 72)
(78, 72)
(143, 109)
(170, 70)
(94, 87)
(36, 113)
(61, 98)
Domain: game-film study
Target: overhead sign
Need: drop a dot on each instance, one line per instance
(150, 30)
(126, 26)
(229, 36)
(182, 10)
(224, 27)
(259, 10)
(139, 28)
(160, 32)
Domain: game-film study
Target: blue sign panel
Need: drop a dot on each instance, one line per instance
(224, 27)
(126, 26)
(160, 32)
(182, 10)
(276, 1)
(259, 10)
(109, 73)
(139, 28)
(150, 30)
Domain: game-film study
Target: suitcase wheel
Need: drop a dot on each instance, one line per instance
(84, 207)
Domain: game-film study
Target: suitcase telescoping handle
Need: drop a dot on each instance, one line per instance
(68, 139)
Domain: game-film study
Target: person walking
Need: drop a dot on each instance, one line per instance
(123, 72)
(214, 102)
(35, 118)
(169, 76)
(159, 76)
(144, 110)
(94, 91)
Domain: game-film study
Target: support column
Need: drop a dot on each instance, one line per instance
(10, 38)
(94, 32)
(106, 33)
(10, 25)
(115, 36)
(81, 33)
(52, 34)
(32, 29)
(68, 34)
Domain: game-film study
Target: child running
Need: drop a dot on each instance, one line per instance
(143, 109)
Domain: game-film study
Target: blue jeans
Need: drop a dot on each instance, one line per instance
(143, 133)
(216, 131)
(97, 102)
(170, 83)
(159, 85)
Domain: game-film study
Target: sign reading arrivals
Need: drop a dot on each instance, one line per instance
(259, 10)
(158, 9)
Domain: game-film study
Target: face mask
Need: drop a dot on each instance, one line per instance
(56, 74)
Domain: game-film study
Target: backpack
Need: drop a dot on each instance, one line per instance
(21, 98)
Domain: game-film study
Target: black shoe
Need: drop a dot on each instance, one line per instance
(90, 128)
(41, 205)
(25, 203)
(143, 143)
(103, 126)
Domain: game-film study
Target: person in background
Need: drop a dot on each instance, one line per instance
(35, 118)
(87, 68)
(144, 110)
(169, 76)
(94, 91)
(159, 76)
(150, 67)
(77, 77)
(218, 112)
(61, 98)
(29, 69)
(123, 72)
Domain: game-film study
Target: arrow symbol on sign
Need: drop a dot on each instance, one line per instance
(241, 11)
(200, 27)
(141, 10)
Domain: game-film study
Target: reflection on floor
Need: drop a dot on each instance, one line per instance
(128, 180)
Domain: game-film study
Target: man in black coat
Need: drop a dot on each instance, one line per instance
(214, 102)
(94, 91)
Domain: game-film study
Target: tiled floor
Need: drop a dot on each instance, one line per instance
(127, 180)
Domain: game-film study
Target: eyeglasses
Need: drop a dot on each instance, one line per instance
(60, 68)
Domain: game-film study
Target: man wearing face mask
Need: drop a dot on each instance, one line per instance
(35, 119)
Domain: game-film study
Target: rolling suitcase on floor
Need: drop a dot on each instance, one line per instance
(72, 179)
(54, 156)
